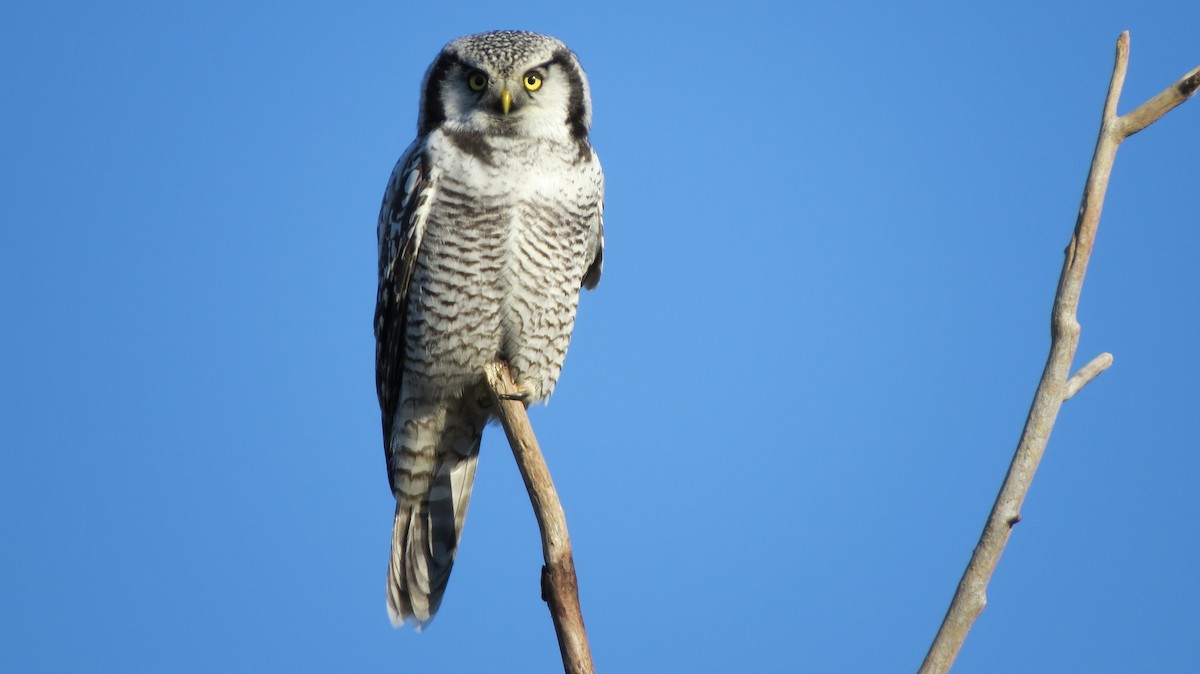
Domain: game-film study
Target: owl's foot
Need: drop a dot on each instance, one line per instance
(501, 375)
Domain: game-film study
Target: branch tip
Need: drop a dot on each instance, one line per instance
(1189, 84)
(1086, 374)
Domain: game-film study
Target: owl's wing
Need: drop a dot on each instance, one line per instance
(401, 227)
(591, 277)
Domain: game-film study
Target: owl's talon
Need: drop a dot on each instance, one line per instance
(520, 396)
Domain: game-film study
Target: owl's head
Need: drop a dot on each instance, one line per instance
(507, 83)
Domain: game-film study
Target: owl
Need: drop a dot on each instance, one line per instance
(491, 225)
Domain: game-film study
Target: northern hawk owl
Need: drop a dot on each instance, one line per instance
(490, 226)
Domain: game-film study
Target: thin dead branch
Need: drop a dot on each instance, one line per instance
(1054, 387)
(560, 589)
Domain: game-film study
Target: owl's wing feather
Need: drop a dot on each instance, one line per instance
(402, 221)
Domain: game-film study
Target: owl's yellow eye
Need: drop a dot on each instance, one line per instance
(532, 82)
(477, 81)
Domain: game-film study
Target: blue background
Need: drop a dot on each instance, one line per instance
(834, 233)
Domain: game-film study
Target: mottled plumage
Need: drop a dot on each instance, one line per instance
(490, 225)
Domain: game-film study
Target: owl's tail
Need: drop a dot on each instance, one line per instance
(433, 473)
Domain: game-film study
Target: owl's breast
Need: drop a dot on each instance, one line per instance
(501, 262)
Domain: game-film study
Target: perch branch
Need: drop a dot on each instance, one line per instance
(560, 589)
(971, 597)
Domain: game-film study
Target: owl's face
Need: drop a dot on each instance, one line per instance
(507, 83)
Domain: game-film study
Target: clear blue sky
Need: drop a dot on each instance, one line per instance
(834, 233)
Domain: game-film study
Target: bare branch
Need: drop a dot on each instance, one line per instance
(1087, 373)
(560, 588)
(971, 595)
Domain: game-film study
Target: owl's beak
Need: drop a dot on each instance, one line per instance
(505, 100)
